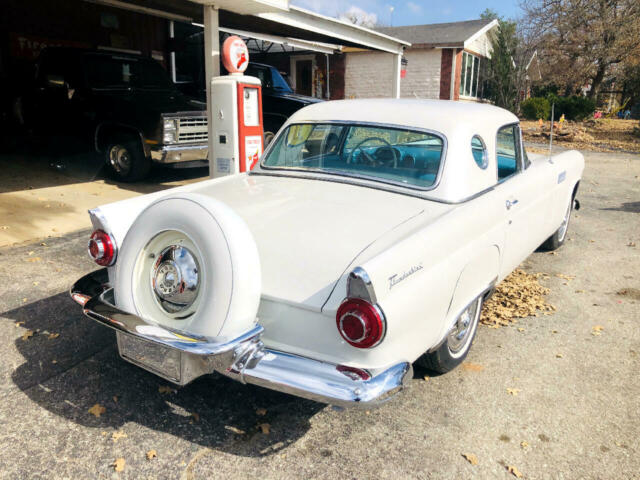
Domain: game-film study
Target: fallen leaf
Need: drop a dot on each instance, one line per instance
(265, 427)
(151, 454)
(196, 417)
(118, 464)
(27, 335)
(35, 284)
(472, 367)
(115, 399)
(598, 328)
(54, 361)
(514, 471)
(426, 378)
(554, 331)
(631, 244)
(117, 435)
(17, 324)
(24, 300)
(34, 259)
(524, 444)
(513, 391)
(261, 412)
(53, 335)
(235, 430)
(166, 389)
(520, 329)
(97, 410)
(559, 355)
(43, 244)
(471, 458)
(579, 291)
(4, 227)
(31, 253)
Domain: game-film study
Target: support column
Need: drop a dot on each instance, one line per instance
(397, 67)
(172, 53)
(211, 68)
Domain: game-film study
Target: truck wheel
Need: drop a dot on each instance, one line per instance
(190, 263)
(456, 346)
(126, 159)
(556, 240)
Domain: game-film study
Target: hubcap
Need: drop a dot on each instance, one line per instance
(120, 159)
(175, 278)
(565, 223)
(463, 328)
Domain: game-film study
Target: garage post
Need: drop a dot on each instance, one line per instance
(211, 68)
(397, 66)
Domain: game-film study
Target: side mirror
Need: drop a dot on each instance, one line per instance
(55, 81)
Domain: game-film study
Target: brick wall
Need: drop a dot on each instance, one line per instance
(445, 73)
(369, 74)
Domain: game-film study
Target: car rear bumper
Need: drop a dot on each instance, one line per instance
(169, 154)
(181, 358)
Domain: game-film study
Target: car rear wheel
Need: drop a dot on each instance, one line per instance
(126, 159)
(456, 346)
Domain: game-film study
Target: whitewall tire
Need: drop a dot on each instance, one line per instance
(190, 263)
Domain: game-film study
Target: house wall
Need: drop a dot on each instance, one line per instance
(369, 74)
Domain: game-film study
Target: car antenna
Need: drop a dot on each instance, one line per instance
(553, 106)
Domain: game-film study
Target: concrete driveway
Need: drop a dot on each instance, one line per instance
(575, 413)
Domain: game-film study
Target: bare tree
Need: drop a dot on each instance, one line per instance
(580, 41)
(358, 16)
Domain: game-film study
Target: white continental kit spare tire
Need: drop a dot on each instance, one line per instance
(190, 263)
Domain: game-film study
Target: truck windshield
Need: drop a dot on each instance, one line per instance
(104, 71)
(392, 155)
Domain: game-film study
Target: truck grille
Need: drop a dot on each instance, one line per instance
(192, 129)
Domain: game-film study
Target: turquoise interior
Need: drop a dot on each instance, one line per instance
(506, 166)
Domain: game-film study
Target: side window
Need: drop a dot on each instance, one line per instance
(507, 151)
(479, 152)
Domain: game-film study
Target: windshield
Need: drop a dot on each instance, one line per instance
(384, 153)
(122, 72)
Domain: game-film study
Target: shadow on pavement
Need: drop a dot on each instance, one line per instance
(69, 373)
(632, 207)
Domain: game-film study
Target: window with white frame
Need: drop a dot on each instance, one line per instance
(469, 75)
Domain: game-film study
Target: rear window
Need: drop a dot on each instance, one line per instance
(392, 155)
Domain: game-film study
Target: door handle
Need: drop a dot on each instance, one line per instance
(511, 203)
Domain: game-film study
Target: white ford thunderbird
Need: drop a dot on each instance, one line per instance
(365, 241)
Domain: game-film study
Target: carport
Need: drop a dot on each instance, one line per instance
(271, 20)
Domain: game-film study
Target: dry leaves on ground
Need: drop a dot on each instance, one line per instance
(513, 391)
(117, 435)
(166, 389)
(524, 444)
(261, 412)
(53, 335)
(265, 427)
(519, 295)
(118, 464)
(97, 410)
(235, 430)
(596, 330)
(27, 335)
(471, 458)
(514, 471)
(472, 367)
(151, 454)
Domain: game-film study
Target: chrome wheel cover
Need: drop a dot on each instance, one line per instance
(120, 159)
(460, 335)
(175, 278)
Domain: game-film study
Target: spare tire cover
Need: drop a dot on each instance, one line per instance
(228, 265)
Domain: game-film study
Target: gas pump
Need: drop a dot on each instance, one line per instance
(236, 106)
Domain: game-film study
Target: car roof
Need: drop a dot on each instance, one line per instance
(443, 116)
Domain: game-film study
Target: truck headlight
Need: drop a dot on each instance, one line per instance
(169, 130)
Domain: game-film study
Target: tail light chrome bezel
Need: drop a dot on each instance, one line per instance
(105, 244)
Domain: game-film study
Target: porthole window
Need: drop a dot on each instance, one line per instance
(479, 151)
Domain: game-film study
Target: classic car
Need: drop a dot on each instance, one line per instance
(366, 240)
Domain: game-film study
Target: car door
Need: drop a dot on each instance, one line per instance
(520, 191)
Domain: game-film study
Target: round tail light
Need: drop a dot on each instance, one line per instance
(102, 249)
(360, 323)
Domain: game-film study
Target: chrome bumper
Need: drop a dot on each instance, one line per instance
(179, 153)
(180, 357)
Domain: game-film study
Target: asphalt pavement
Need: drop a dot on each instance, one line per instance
(552, 398)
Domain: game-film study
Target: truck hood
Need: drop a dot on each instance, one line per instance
(154, 102)
(308, 232)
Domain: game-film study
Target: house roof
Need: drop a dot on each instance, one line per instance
(455, 34)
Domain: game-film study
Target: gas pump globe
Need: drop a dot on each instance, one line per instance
(236, 109)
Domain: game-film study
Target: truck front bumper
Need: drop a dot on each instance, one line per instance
(180, 357)
(168, 154)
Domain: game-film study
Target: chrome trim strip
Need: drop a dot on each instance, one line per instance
(359, 285)
(243, 358)
(436, 182)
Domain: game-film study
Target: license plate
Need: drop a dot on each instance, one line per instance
(163, 361)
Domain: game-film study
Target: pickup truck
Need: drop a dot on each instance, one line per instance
(124, 106)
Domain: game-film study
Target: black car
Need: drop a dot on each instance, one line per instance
(279, 101)
(124, 105)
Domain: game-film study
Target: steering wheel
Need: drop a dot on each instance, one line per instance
(370, 159)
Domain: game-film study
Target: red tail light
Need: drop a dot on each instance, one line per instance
(102, 248)
(360, 323)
